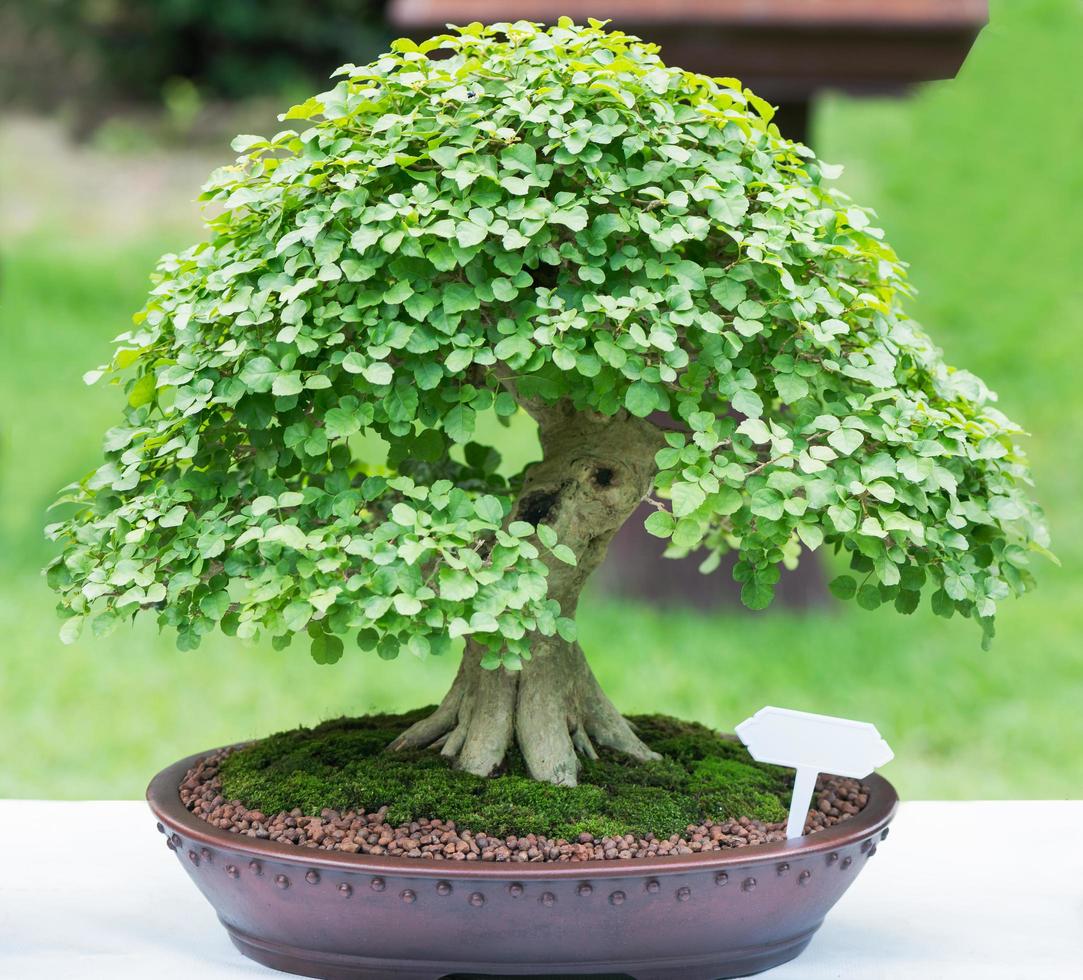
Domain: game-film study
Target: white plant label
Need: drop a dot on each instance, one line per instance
(812, 744)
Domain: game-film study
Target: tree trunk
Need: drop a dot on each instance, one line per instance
(593, 474)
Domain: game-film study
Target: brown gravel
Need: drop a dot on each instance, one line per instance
(356, 831)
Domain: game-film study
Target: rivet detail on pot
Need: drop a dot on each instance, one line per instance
(231, 870)
(377, 884)
(515, 889)
(684, 894)
(872, 851)
(884, 833)
(832, 857)
(866, 845)
(846, 862)
(548, 899)
(443, 888)
(748, 884)
(721, 878)
(477, 899)
(312, 877)
(206, 855)
(161, 827)
(345, 890)
(176, 839)
(194, 858)
(585, 889)
(255, 867)
(653, 886)
(408, 895)
(282, 881)
(803, 877)
(617, 898)
(169, 843)
(783, 868)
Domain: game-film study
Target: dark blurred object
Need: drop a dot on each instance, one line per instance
(131, 52)
(787, 51)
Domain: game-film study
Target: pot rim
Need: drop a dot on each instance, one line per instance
(163, 797)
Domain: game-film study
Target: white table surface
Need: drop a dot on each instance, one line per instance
(960, 891)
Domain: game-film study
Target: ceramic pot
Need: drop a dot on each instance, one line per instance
(342, 916)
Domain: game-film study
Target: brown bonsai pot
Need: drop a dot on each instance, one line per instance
(681, 917)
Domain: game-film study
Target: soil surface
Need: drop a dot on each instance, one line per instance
(370, 832)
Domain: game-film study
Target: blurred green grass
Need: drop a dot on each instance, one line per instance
(979, 186)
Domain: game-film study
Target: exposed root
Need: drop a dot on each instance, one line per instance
(554, 708)
(491, 722)
(583, 745)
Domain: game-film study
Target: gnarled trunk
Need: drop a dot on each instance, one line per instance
(593, 474)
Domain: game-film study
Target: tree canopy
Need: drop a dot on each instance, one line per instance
(510, 215)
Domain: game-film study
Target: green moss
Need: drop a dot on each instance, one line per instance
(341, 764)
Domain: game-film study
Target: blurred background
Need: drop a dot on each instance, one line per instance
(112, 113)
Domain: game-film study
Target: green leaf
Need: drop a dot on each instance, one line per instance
(688, 533)
(660, 523)
(728, 210)
(811, 535)
(142, 391)
(747, 403)
(174, 517)
(288, 384)
(489, 509)
(906, 602)
(687, 497)
(340, 423)
(460, 297)
(868, 597)
(459, 423)
(214, 605)
(573, 218)
(406, 605)
(843, 587)
(378, 373)
(259, 374)
(640, 399)
(325, 648)
(756, 594)
(790, 387)
(563, 553)
(71, 628)
(289, 535)
(845, 440)
(296, 615)
(747, 328)
(419, 305)
(456, 585)
(354, 363)
(468, 234)
(767, 503)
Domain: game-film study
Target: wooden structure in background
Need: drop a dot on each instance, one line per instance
(787, 51)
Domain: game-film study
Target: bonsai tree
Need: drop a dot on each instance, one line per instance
(551, 221)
